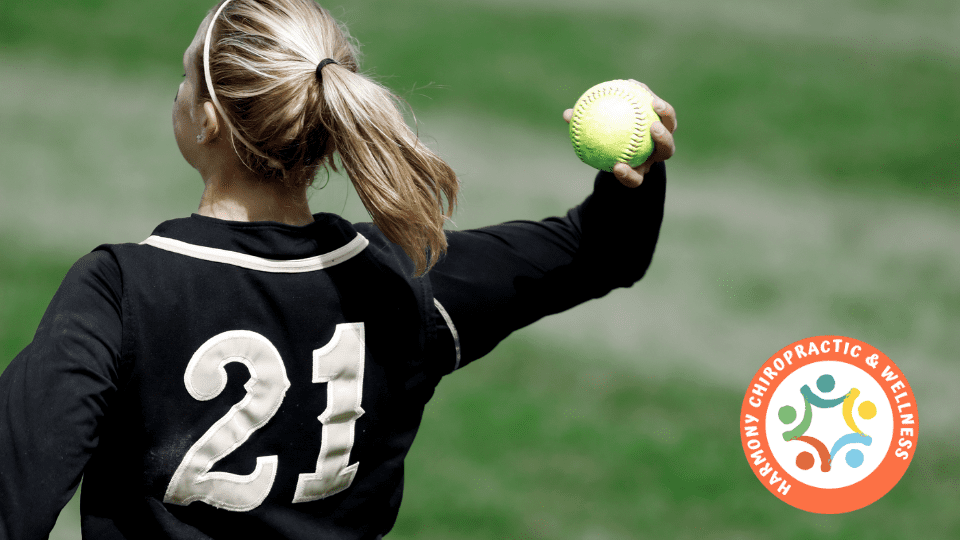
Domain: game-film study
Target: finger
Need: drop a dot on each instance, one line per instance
(663, 145)
(666, 112)
(567, 115)
(628, 176)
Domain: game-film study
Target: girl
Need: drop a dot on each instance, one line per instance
(255, 371)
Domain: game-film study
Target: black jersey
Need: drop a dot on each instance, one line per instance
(225, 379)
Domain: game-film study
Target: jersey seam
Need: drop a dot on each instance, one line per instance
(453, 331)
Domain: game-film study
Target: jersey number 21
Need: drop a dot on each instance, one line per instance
(339, 364)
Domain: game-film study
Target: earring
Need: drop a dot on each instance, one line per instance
(200, 138)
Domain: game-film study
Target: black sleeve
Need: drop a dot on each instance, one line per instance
(53, 394)
(498, 279)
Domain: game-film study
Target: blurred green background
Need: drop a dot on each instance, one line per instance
(815, 191)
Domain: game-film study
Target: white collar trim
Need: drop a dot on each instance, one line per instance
(310, 264)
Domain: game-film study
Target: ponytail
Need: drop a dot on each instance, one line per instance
(399, 180)
(260, 60)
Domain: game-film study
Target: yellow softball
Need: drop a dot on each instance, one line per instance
(611, 124)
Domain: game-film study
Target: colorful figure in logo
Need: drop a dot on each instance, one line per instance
(825, 384)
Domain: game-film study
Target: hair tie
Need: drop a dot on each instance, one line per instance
(324, 63)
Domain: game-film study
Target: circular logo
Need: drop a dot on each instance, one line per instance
(829, 424)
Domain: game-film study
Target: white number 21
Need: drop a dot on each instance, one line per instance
(339, 364)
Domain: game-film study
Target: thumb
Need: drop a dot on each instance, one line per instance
(567, 115)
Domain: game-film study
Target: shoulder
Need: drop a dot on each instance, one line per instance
(100, 261)
(377, 239)
(92, 289)
(384, 251)
(99, 270)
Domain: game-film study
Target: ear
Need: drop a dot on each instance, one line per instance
(210, 122)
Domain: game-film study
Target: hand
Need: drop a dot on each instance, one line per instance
(663, 146)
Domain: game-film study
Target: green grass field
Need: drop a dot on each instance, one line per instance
(815, 191)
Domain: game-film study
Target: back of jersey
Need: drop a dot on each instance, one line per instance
(272, 379)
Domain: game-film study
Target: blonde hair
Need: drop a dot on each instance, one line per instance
(262, 57)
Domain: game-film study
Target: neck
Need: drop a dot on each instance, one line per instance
(241, 196)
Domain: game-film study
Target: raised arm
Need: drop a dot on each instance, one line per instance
(497, 279)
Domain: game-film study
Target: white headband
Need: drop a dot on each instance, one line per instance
(213, 95)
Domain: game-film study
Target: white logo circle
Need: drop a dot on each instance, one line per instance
(840, 413)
